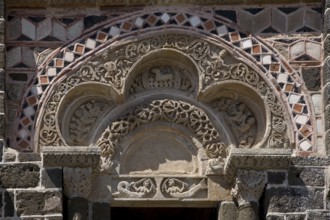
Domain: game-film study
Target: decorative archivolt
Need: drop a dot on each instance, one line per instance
(213, 66)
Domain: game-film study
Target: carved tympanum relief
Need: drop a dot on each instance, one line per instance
(240, 118)
(176, 112)
(83, 119)
(163, 76)
(214, 65)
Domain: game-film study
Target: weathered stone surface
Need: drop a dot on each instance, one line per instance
(318, 215)
(306, 176)
(310, 161)
(276, 177)
(93, 3)
(295, 217)
(326, 46)
(295, 199)
(248, 211)
(51, 178)
(38, 203)
(78, 207)
(19, 175)
(27, 157)
(9, 206)
(312, 78)
(275, 217)
(326, 70)
(327, 117)
(101, 211)
(228, 210)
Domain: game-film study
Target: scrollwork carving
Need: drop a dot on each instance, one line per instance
(169, 110)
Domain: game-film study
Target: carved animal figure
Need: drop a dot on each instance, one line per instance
(162, 76)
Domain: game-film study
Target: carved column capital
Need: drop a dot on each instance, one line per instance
(77, 181)
(249, 186)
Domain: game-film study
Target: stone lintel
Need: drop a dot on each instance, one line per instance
(107, 3)
(256, 159)
(71, 156)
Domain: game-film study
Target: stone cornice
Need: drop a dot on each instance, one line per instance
(257, 159)
(71, 156)
(106, 3)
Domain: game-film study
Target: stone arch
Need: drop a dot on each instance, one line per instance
(249, 47)
(212, 134)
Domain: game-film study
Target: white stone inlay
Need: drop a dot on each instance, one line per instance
(301, 119)
(28, 111)
(305, 145)
(267, 59)
(114, 31)
(91, 44)
(139, 22)
(294, 98)
(165, 17)
(195, 21)
(222, 30)
(51, 71)
(69, 56)
(23, 133)
(247, 43)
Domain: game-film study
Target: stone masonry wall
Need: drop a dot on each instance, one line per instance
(31, 191)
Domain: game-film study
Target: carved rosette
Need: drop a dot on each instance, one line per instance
(77, 181)
(249, 186)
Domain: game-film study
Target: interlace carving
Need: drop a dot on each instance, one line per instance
(240, 118)
(173, 187)
(249, 186)
(143, 188)
(112, 67)
(168, 110)
(83, 119)
(163, 77)
(77, 181)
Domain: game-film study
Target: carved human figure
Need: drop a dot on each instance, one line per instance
(179, 189)
(140, 189)
(247, 191)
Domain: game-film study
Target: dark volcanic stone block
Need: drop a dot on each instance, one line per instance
(312, 78)
(51, 178)
(19, 175)
(296, 217)
(306, 176)
(9, 207)
(38, 203)
(293, 199)
(275, 217)
(276, 177)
